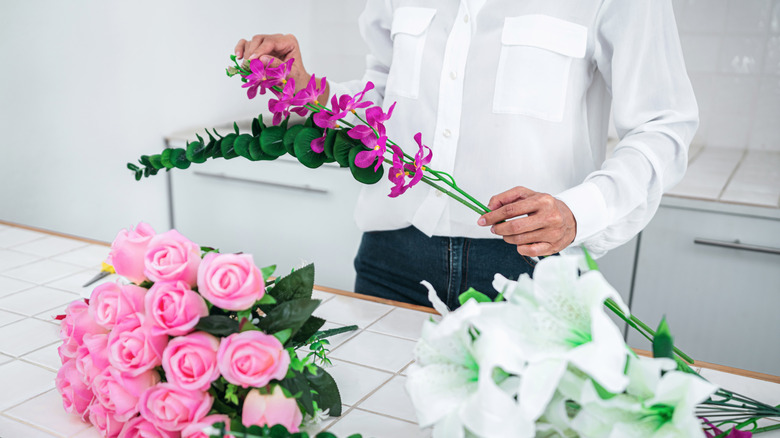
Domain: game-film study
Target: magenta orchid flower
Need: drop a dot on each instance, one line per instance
(375, 118)
(308, 95)
(281, 106)
(398, 173)
(341, 106)
(377, 149)
(265, 77)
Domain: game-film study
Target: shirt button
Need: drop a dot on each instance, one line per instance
(447, 133)
(453, 75)
(465, 18)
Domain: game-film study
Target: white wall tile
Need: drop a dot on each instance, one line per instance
(734, 95)
(11, 285)
(702, 52)
(50, 246)
(774, 21)
(766, 129)
(46, 411)
(772, 58)
(703, 15)
(729, 131)
(742, 55)
(22, 337)
(21, 381)
(748, 16)
(13, 428)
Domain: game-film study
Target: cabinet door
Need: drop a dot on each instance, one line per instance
(279, 211)
(721, 303)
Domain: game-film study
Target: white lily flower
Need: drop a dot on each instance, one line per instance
(556, 319)
(654, 406)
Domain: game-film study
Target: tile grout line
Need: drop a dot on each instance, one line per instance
(26, 423)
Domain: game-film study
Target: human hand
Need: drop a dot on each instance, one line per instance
(548, 227)
(277, 49)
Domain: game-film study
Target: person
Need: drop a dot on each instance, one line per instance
(514, 98)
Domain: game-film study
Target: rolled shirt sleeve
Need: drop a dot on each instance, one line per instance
(638, 54)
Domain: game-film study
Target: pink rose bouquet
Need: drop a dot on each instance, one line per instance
(193, 343)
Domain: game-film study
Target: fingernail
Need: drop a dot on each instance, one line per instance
(493, 229)
(481, 221)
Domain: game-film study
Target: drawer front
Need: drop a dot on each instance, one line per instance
(280, 211)
(721, 302)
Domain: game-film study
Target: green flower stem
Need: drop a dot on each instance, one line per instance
(336, 331)
(452, 195)
(645, 330)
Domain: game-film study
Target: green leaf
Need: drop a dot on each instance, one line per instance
(145, 161)
(139, 174)
(179, 158)
(299, 384)
(267, 299)
(257, 126)
(303, 151)
(473, 293)
(235, 127)
(289, 138)
(156, 161)
(256, 151)
(309, 328)
(132, 167)
(196, 152)
(330, 141)
(241, 145)
(288, 315)
(365, 175)
(226, 146)
(218, 325)
(272, 141)
(663, 344)
(341, 147)
(165, 158)
(283, 336)
(603, 393)
(328, 396)
(268, 271)
(298, 284)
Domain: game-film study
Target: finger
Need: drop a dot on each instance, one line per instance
(284, 47)
(249, 52)
(270, 61)
(513, 210)
(518, 226)
(239, 50)
(538, 236)
(536, 249)
(509, 196)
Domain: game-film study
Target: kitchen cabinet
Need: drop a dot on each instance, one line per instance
(713, 270)
(279, 211)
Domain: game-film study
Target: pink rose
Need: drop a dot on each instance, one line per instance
(76, 323)
(119, 393)
(173, 308)
(140, 427)
(104, 421)
(230, 281)
(190, 362)
(172, 257)
(252, 358)
(92, 357)
(172, 408)
(133, 348)
(195, 430)
(128, 250)
(271, 409)
(110, 303)
(76, 395)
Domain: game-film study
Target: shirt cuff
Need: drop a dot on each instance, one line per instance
(588, 207)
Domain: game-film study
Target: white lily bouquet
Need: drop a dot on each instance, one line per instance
(545, 360)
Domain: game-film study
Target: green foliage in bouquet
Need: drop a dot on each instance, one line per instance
(265, 143)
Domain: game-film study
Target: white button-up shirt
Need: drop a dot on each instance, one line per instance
(518, 93)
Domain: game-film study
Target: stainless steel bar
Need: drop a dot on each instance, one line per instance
(737, 245)
(304, 187)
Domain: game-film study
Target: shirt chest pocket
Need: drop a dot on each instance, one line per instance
(533, 68)
(409, 30)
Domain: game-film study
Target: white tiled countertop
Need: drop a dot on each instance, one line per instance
(40, 273)
(735, 176)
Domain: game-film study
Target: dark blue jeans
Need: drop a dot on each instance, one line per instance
(391, 264)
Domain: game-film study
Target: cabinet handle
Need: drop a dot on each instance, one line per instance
(304, 187)
(737, 245)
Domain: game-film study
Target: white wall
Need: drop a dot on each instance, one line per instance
(88, 85)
